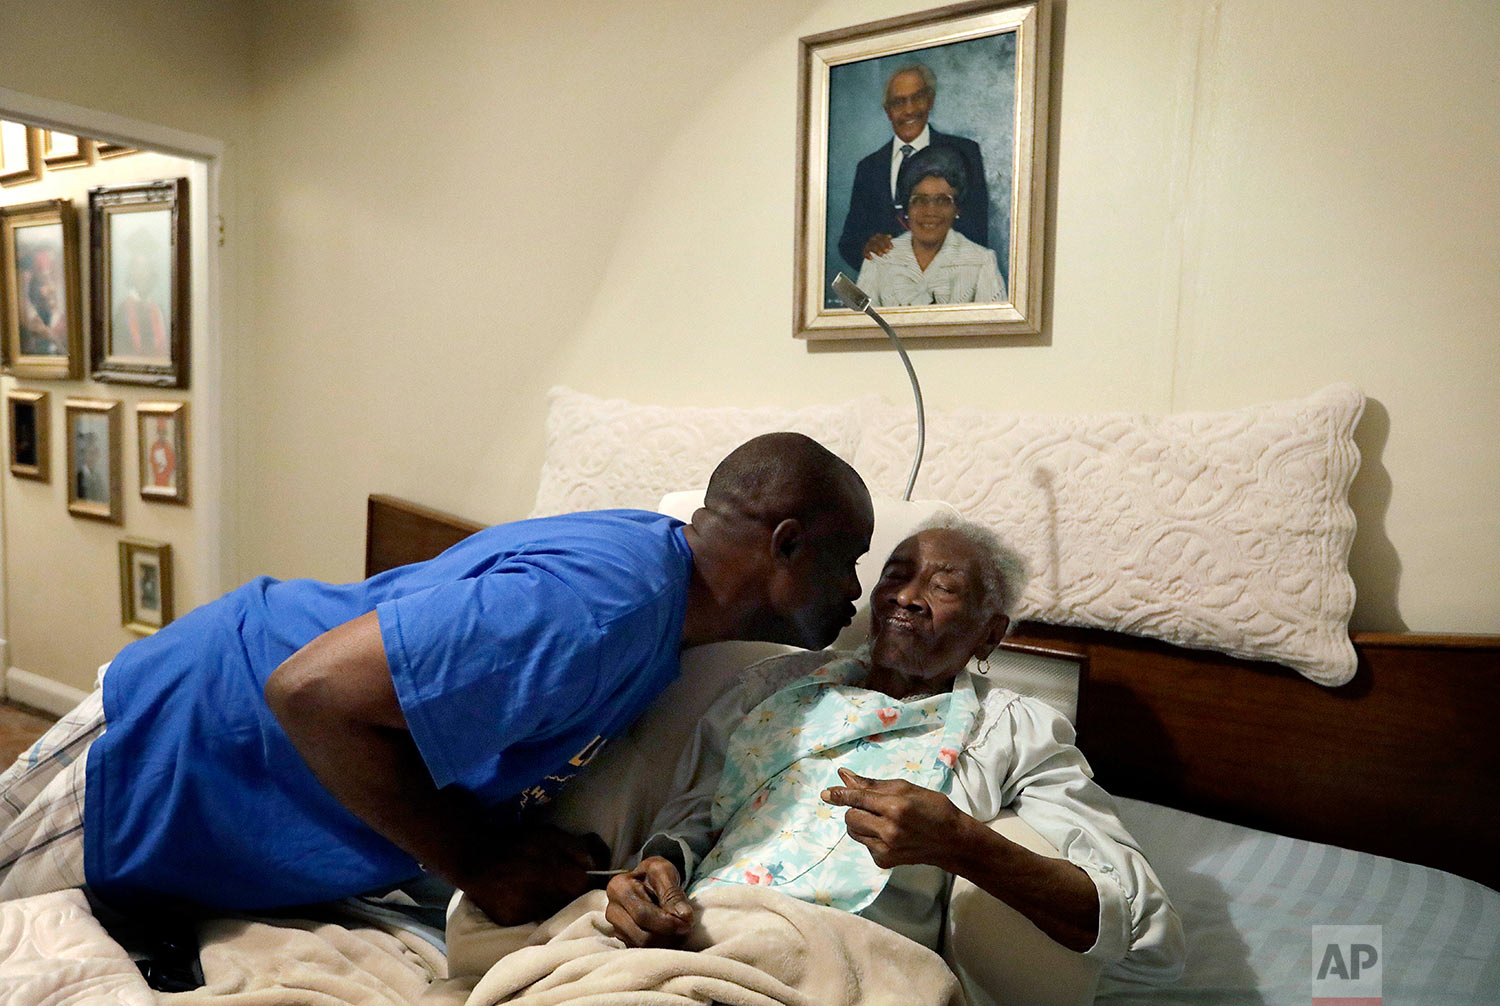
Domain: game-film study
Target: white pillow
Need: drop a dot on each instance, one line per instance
(606, 453)
(1228, 530)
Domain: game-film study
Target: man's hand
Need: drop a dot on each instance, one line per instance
(534, 872)
(899, 822)
(647, 906)
(878, 245)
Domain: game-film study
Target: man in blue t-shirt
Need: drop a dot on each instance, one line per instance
(297, 741)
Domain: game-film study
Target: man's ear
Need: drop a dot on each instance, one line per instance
(786, 538)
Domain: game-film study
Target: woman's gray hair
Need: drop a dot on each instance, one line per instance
(1003, 571)
(936, 161)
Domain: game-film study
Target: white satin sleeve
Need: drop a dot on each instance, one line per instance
(1024, 757)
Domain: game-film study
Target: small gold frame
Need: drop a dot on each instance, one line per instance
(145, 584)
(162, 460)
(23, 349)
(105, 150)
(24, 169)
(86, 497)
(30, 460)
(56, 154)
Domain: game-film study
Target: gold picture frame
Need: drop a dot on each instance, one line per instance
(20, 153)
(41, 326)
(162, 451)
(139, 283)
(970, 78)
(105, 150)
(93, 471)
(145, 585)
(64, 150)
(29, 419)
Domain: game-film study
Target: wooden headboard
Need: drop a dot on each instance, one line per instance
(1402, 761)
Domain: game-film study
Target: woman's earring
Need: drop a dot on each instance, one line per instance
(984, 666)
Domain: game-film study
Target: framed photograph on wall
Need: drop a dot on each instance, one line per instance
(145, 584)
(161, 429)
(64, 150)
(106, 150)
(30, 426)
(922, 172)
(93, 432)
(20, 153)
(41, 331)
(138, 245)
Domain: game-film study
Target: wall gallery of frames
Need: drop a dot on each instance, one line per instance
(94, 343)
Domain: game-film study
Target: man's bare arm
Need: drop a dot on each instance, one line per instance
(337, 703)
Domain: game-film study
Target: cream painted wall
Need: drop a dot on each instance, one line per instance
(182, 64)
(62, 586)
(464, 203)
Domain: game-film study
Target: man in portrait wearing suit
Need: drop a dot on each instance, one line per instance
(92, 481)
(872, 220)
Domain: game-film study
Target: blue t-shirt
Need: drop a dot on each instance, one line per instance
(514, 654)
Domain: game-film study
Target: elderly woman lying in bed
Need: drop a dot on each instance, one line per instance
(920, 754)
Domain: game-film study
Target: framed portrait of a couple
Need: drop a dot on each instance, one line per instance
(138, 247)
(41, 335)
(922, 172)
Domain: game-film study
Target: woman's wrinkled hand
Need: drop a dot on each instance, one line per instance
(647, 905)
(900, 822)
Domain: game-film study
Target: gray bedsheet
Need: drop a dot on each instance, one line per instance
(1249, 901)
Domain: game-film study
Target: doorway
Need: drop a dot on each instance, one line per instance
(117, 523)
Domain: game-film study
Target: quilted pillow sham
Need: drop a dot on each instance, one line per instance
(604, 452)
(1227, 530)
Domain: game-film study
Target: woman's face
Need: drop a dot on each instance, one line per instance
(930, 211)
(925, 611)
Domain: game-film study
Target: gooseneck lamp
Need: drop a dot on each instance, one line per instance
(856, 299)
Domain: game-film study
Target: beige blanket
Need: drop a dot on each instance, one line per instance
(749, 947)
(292, 962)
(53, 950)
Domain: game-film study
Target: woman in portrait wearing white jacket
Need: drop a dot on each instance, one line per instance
(932, 263)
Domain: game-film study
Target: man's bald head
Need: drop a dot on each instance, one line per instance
(784, 520)
(780, 475)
